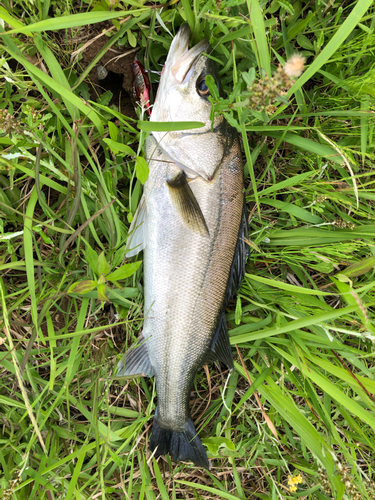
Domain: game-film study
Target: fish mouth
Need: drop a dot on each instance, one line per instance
(178, 67)
(180, 59)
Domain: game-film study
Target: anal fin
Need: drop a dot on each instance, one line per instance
(220, 347)
(186, 204)
(136, 362)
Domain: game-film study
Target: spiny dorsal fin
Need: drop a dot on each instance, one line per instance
(136, 362)
(186, 204)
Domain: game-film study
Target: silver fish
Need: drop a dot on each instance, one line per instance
(191, 225)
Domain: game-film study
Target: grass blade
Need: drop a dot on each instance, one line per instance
(17, 368)
(309, 146)
(214, 491)
(334, 44)
(292, 325)
(73, 21)
(168, 126)
(259, 29)
(28, 245)
(55, 86)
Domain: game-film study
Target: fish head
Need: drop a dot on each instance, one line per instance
(184, 96)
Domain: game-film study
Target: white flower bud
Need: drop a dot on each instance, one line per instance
(294, 66)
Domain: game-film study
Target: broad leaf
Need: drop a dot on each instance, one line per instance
(83, 286)
(117, 147)
(141, 169)
(103, 266)
(124, 271)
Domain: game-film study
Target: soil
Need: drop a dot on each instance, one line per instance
(119, 80)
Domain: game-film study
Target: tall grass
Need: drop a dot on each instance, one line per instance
(297, 417)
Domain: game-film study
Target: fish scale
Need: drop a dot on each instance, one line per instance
(190, 224)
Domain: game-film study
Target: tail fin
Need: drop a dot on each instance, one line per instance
(181, 445)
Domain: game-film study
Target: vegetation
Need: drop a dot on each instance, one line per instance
(297, 417)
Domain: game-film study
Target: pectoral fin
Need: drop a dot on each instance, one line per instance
(137, 231)
(186, 204)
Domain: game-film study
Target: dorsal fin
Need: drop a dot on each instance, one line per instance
(186, 204)
(242, 252)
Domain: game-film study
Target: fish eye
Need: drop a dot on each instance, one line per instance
(202, 88)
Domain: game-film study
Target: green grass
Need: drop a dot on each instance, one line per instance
(302, 398)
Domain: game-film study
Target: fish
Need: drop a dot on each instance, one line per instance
(191, 226)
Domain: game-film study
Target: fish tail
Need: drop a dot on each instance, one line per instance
(182, 445)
